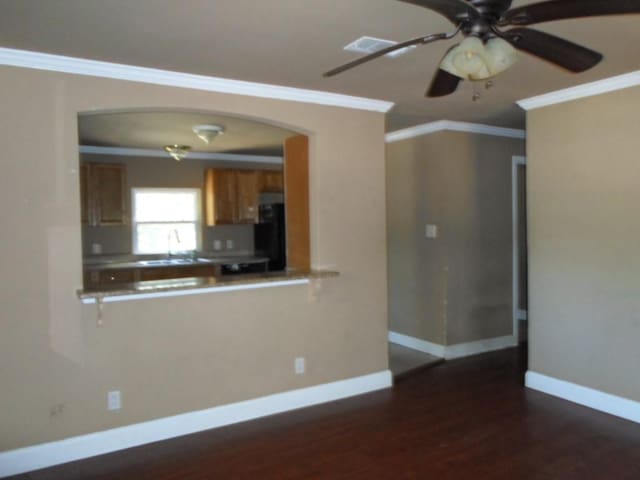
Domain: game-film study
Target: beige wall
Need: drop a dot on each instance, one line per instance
(178, 354)
(584, 238)
(455, 288)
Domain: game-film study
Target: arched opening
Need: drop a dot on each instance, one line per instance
(169, 193)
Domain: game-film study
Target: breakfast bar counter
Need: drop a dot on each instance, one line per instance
(195, 285)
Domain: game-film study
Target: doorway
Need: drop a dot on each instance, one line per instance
(520, 254)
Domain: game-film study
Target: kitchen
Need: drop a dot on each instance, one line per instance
(217, 211)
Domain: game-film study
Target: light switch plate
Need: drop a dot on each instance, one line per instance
(114, 400)
(299, 365)
(431, 231)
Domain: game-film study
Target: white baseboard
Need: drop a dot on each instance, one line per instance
(27, 459)
(481, 346)
(604, 402)
(453, 351)
(417, 344)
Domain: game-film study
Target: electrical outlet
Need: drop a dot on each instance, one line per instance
(56, 410)
(299, 365)
(431, 231)
(229, 244)
(217, 245)
(114, 400)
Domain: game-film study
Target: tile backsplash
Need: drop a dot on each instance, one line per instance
(230, 238)
(116, 240)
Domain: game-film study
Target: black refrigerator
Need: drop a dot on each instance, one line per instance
(269, 235)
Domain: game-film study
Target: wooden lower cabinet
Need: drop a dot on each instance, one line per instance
(118, 276)
(165, 273)
(96, 278)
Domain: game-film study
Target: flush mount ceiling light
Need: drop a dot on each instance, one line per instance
(207, 133)
(177, 152)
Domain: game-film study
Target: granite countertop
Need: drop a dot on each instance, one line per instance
(131, 261)
(134, 289)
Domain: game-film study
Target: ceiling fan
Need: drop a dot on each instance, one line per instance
(488, 50)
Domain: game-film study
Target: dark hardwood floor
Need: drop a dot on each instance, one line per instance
(464, 419)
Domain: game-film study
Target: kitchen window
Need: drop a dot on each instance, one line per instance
(166, 220)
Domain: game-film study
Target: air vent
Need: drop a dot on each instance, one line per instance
(369, 45)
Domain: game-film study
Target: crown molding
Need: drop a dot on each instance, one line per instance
(81, 66)
(447, 125)
(145, 152)
(582, 91)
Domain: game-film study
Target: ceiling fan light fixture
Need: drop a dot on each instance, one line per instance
(474, 60)
(177, 152)
(488, 49)
(466, 60)
(207, 133)
(500, 55)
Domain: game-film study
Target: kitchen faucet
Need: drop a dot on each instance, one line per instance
(173, 232)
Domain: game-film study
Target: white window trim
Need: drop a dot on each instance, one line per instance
(198, 222)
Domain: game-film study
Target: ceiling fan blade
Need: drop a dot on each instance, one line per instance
(443, 83)
(455, 10)
(564, 9)
(392, 48)
(561, 52)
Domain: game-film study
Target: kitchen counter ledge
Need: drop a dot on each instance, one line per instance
(198, 285)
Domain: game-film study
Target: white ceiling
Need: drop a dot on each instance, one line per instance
(292, 42)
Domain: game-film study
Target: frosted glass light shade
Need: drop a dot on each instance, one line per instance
(207, 133)
(466, 60)
(177, 152)
(474, 60)
(500, 55)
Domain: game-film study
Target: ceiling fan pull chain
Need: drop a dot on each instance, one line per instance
(476, 94)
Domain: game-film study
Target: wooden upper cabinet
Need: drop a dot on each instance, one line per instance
(220, 196)
(271, 181)
(247, 196)
(84, 194)
(109, 181)
(103, 194)
(231, 195)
